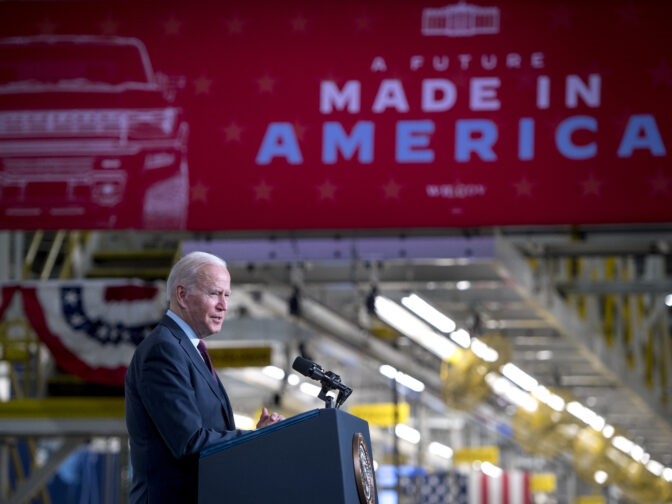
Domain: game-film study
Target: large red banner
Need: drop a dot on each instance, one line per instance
(308, 115)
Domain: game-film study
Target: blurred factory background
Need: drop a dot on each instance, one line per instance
(461, 209)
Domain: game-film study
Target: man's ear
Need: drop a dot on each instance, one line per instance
(181, 294)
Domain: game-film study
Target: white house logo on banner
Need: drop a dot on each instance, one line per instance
(460, 20)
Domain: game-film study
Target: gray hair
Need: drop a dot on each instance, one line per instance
(184, 270)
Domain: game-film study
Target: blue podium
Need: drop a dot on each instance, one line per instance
(322, 455)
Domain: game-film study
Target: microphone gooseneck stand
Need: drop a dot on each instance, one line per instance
(333, 383)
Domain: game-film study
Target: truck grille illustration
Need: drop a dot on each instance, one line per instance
(89, 131)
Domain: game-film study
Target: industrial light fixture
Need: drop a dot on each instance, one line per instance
(407, 433)
(410, 325)
(388, 371)
(442, 450)
(430, 314)
(549, 398)
(544, 355)
(273, 372)
(637, 453)
(491, 469)
(507, 390)
(668, 300)
(519, 377)
(608, 431)
(623, 444)
(309, 389)
(655, 467)
(404, 379)
(484, 351)
(586, 415)
(463, 285)
(461, 337)
(600, 477)
(667, 474)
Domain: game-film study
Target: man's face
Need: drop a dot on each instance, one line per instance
(204, 305)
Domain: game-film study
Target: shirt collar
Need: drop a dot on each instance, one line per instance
(185, 327)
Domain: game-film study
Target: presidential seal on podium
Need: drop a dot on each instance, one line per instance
(363, 470)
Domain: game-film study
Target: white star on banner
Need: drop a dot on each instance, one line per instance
(70, 297)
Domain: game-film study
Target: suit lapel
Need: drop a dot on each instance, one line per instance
(198, 362)
(227, 405)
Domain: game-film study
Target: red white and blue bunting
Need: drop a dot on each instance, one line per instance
(91, 328)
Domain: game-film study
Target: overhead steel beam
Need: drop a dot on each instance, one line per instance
(331, 322)
(615, 287)
(62, 427)
(593, 348)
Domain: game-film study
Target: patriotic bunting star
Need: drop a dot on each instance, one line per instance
(71, 297)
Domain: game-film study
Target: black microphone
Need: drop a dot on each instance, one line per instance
(329, 380)
(308, 368)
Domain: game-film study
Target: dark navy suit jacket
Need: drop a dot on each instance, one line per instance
(174, 409)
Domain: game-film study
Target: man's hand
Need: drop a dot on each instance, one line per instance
(267, 419)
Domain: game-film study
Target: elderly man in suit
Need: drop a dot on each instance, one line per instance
(175, 404)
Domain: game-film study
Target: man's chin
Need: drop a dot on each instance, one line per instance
(214, 329)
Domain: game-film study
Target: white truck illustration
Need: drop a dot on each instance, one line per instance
(89, 136)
